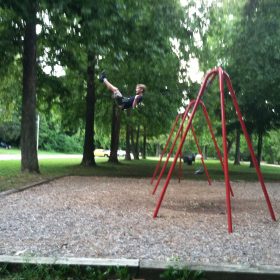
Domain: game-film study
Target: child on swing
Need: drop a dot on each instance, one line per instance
(124, 102)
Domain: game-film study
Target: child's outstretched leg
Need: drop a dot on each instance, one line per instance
(112, 88)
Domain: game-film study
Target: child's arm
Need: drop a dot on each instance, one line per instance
(135, 101)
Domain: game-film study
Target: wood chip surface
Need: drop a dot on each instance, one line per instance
(113, 218)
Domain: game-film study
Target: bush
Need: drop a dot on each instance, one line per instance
(174, 273)
(62, 272)
(50, 139)
(271, 147)
(10, 132)
(61, 143)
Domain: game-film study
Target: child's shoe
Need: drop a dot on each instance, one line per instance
(102, 76)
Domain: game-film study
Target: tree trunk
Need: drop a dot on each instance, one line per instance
(229, 144)
(260, 143)
(205, 152)
(132, 143)
(158, 150)
(136, 156)
(115, 133)
(144, 143)
(29, 156)
(237, 148)
(88, 153)
(127, 138)
(251, 161)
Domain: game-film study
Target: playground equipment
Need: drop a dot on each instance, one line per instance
(196, 141)
(222, 77)
(179, 133)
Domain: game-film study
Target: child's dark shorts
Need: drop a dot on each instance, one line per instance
(123, 102)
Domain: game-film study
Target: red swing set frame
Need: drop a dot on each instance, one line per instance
(223, 77)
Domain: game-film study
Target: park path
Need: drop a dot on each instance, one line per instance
(18, 157)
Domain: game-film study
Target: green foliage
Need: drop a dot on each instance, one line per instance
(174, 273)
(258, 70)
(145, 56)
(10, 32)
(243, 37)
(10, 132)
(134, 42)
(10, 91)
(10, 98)
(3, 270)
(52, 138)
(122, 273)
(271, 151)
(60, 143)
(61, 272)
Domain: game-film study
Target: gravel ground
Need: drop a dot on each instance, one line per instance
(112, 218)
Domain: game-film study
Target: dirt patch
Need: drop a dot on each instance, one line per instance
(113, 218)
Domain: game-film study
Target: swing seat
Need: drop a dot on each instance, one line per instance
(199, 171)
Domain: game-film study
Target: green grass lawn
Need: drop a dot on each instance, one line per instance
(12, 177)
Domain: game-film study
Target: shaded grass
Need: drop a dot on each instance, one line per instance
(12, 177)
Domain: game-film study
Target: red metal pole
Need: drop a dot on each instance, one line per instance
(224, 133)
(214, 139)
(260, 177)
(165, 147)
(201, 91)
(212, 74)
(180, 163)
(171, 150)
(199, 150)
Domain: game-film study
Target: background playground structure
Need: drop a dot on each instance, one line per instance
(222, 76)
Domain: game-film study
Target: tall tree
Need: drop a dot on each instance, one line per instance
(29, 157)
(88, 156)
(258, 66)
(147, 56)
(115, 130)
(253, 27)
(26, 18)
(90, 30)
